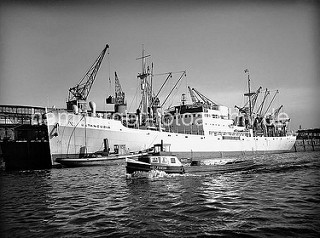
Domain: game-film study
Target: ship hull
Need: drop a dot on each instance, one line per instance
(83, 162)
(95, 161)
(73, 135)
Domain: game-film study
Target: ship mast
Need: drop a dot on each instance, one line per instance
(144, 84)
(249, 94)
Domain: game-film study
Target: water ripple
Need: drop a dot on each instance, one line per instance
(279, 197)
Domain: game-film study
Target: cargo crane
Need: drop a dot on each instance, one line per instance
(119, 94)
(281, 122)
(193, 96)
(119, 101)
(78, 94)
(260, 108)
(278, 119)
(254, 97)
(203, 99)
(274, 96)
(276, 112)
(184, 73)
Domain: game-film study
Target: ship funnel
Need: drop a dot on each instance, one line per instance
(93, 107)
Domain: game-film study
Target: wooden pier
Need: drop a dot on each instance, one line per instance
(308, 140)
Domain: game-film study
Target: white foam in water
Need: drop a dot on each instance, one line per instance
(151, 174)
(217, 161)
(156, 174)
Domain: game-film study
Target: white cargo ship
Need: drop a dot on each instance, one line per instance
(199, 129)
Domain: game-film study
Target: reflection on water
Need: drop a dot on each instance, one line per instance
(279, 197)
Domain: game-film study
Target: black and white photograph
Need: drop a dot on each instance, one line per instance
(171, 118)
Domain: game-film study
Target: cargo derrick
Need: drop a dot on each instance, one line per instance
(205, 100)
(194, 98)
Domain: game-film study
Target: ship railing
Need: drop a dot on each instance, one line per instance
(189, 132)
(234, 134)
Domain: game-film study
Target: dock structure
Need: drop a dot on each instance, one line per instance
(308, 140)
(12, 117)
(24, 140)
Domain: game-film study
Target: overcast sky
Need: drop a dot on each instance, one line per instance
(47, 46)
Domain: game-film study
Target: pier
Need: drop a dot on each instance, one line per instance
(24, 140)
(307, 140)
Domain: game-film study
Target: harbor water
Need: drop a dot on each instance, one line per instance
(279, 197)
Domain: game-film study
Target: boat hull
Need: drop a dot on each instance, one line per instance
(89, 133)
(95, 161)
(136, 166)
(84, 162)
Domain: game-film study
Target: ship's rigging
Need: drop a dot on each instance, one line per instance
(198, 98)
(150, 108)
(259, 120)
(201, 126)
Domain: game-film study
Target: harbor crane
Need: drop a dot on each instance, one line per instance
(119, 94)
(79, 93)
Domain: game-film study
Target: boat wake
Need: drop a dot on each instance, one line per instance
(150, 174)
(191, 171)
(283, 166)
(256, 165)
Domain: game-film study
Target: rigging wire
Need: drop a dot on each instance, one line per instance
(73, 131)
(135, 95)
(109, 89)
(183, 74)
(186, 89)
(173, 97)
(176, 92)
(109, 62)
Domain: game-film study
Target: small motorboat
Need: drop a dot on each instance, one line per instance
(158, 159)
(95, 160)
